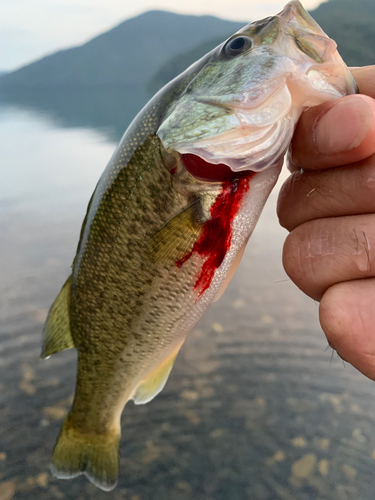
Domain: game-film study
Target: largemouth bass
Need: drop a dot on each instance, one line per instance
(170, 217)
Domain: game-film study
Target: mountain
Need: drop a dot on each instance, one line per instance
(178, 63)
(106, 81)
(127, 55)
(149, 50)
(352, 25)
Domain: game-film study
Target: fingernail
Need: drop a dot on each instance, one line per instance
(344, 126)
(291, 166)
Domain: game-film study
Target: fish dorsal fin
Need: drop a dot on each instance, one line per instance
(56, 332)
(151, 385)
(177, 236)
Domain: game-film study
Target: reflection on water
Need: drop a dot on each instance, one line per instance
(108, 109)
(43, 164)
(255, 407)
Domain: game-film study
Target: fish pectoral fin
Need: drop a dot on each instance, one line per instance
(154, 383)
(95, 455)
(177, 236)
(56, 332)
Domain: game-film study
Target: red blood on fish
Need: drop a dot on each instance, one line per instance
(216, 237)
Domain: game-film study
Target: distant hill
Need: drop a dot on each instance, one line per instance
(149, 50)
(127, 55)
(351, 23)
(178, 63)
(106, 81)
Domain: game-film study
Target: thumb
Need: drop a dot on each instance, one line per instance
(335, 133)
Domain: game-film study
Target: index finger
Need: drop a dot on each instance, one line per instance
(365, 78)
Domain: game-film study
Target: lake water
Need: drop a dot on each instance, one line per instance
(256, 407)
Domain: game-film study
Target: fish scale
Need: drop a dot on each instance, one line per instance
(170, 217)
(128, 294)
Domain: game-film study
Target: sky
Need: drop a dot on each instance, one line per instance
(30, 29)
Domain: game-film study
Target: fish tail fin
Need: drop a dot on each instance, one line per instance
(92, 454)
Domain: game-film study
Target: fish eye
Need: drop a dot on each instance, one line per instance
(238, 45)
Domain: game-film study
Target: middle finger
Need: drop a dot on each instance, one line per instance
(323, 252)
(309, 195)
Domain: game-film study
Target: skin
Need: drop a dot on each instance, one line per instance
(328, 205)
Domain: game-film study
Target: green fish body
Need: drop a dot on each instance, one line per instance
(170, 217)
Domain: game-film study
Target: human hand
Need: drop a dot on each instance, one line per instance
(329, 207)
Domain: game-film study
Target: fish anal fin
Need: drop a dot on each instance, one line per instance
(56, 332)
(95, 455)
(151, 385)
(178, 235)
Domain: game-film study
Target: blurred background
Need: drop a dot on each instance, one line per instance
(257, 406)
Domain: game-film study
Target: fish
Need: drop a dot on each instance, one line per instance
(170, 217)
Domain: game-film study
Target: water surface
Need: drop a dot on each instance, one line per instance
(256, 406)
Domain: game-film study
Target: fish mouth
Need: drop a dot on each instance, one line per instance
(294, 12)
(250, 125)
(259, 138)
(330, 79)
(261, 124)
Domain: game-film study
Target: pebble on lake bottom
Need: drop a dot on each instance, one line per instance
(191, 416)
(322, 443)
(349, 471)
(305, 466)
(358, 436)
(28, 376)
(217, 433)
(299, 442)
(190, 395)
(7, 490)
(323, 467)
(55, 412)
(266, 319)
(238, 304)
(301, 405)
(42, 480)
(278, 456)
(56, 493)
(40, 315)
(218, 328)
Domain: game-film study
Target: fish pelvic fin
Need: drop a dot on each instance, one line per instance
(94, 455)
(150, 386)
(56, 333)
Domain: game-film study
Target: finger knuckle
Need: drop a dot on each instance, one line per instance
(296, 257)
